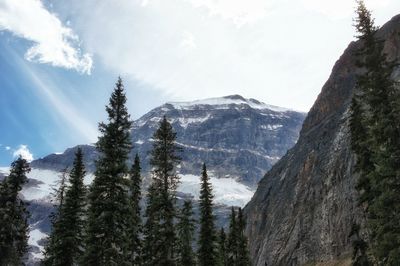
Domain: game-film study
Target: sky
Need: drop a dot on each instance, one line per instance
(59, 60)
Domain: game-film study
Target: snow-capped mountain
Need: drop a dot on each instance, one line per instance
(239, 139)
(236, 137)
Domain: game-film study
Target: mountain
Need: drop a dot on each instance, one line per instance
(238, 138)
(304, 207)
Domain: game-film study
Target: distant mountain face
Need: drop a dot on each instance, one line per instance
(305, 206)
(236, 137)
(239, 139)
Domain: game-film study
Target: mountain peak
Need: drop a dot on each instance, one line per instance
(225, 101)
(235, 97)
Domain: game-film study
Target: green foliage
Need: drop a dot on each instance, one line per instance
(360, 256)
(13, 215)
(233, 240)
(243, 251)
(135, 228)
(375, 130)
(238, 252)
(222, 248)
(109, 211)
(65, 242)
(207, 252)
(185, 227)
(160, 232)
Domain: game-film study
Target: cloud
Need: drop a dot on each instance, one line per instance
(24, 152)
(7, 148)
(339, 9)
(239, 11)
(54, 43)
(274, 51)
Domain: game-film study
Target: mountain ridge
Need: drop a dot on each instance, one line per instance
(228, 133)
(304, 207)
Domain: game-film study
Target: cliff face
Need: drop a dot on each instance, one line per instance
(304, 207)
(238, 138)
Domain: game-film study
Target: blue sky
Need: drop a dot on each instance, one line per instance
(59, 60)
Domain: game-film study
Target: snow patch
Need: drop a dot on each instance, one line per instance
(226, 190)
(139, 142)
(184, 122)
(224, 102)
(35, 236)
(46, 181)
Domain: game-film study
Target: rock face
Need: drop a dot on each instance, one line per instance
(304, 207)
(236, 137)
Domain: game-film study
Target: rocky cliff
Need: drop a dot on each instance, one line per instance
(304, 207)
(238, 138)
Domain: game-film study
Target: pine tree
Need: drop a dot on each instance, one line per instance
(360, 256)
(135, 228)
(243, 251)
(151, 253)
(13, 215)
(222, 248)
(65, 245)
(233, 240)
(107, 240)
(50, 253)
(160, 233)
(207, 252)
(375, 132)
(186, 229)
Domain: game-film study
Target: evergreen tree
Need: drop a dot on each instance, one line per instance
(207, 253)
(233, 240)
(243, 251)
(186, 228)
(13, 215)
(151, 242)
(160, 233)
(107, 240)
(65, 245)
(222, 248)
(135, 228)
(375, 132)
(360, 256)
(50, 253)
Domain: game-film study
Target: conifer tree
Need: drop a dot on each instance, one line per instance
(107, 240)
(233, 240)
(186, 228)
(13, 215)
(360, 256)
(151, 253)
(375, 132)
(135, 228)
(243, 251)
(207, 252)
(160, 232)
(50, 253)
(222, 248)
(65, 244)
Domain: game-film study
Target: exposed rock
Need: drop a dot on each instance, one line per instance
(304, 207)
(238, 138)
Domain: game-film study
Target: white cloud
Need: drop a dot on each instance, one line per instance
(24, 152)
(54, 43)
(8, 148)
(339, 9)
(239, 11)
(279, 52)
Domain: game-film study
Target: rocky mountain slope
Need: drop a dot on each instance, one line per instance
(304, 207)
(238, 138)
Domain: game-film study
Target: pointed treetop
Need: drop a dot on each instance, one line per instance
(364, 21)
